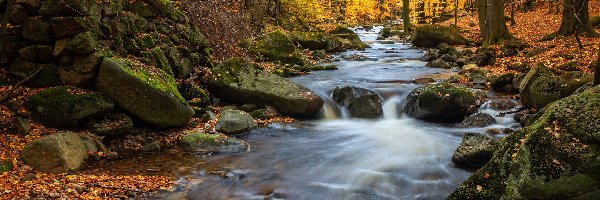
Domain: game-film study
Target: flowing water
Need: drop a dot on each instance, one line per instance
(337, 157)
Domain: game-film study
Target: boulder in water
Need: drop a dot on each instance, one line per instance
(477, 120)
(234, 122)
(440, 103)
(239, 81)
(360, 102)
(57, 153)
(475, 150)
(554, 157)
(211, 143)
(439, 63)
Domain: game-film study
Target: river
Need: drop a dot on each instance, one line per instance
(337, 157)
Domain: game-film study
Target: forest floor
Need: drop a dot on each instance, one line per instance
(532, 26)
(23, 182)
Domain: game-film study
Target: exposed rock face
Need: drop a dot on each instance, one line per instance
(148, 93)
(475, 150)
(433, 35)
(360, 102)
(440, 103)
(57, 153)
(241, 82)
(235, 121)
(477, 120)
(63, 107)
(554, 157)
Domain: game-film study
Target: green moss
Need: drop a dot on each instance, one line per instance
(276, 46)
(83, 43)
(432, 35)
(440, 102)
(146, 41)
(5, 166)
(226, 72)
(155, 77)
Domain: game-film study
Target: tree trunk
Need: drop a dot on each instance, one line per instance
(597, 70)
(406, 15)
(492, 26)
(513, 22)
(576, 18)
(456, 14)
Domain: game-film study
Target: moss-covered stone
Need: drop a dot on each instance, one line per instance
(71, 8)
(83, 43)
(139, 89)
(203, 142)
(71, 26)
(432, 35)
(541, 87)
(37, 30)
(129, 24)
(440, 103)
(239, 81)
(555, 157)
(499, 82)
(276, 46)
(63, 107)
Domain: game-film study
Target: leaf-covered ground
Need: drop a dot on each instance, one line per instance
(563, 52)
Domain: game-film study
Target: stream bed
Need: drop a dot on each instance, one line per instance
(337, 157)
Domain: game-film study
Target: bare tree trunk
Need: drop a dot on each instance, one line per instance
(456, 14)
(513, 22)
(597, 70)
(406, 15)
(492, 26)
(575, 19)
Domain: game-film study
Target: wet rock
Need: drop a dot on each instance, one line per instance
(63, 107)
(262, 114)
(57, 153)
(439, 63)
(440, 103)
(478, 79)
(355, 57)
(360, 102)
(203, 142)
(477, 120)
(423, 81)
(503, 104)
(449, 58)
(241, 82)
(500, 82)
(112, 125)
(152, 147)
(234, 122)
(430, 55)
(433, 35)
(541, 161)
(474, 151)
(139, 92)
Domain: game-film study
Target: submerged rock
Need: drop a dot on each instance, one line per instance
(239, 81)
(64, 107)
(475, 150)
(440, 103)
(554, 157)
(360, 102)
(146, 92)
(211, 143)
(57, 153)
(234, 122)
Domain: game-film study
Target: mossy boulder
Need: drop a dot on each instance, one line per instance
(317, 41)
(211, 143)
(71, 8)
(475, 150)
(440, 103)
(485, 56)
(71, 26)
(390, 32)
(501, 81)
(64, 107)
(239, 81)
(57, 153)
(432, 35)
(341, 30)
(555, 157)
(235, 121)
(146, 92)
(276, 46)
(541, 87)
(83, 43)
(360, 102)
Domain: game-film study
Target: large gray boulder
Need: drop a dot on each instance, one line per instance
(555, 156)
(146, 92)
(235, 121)
(238, 81)
(57, 153)
(64, 107)
(440, 103)
(475, 150)
(433, 35)
(360, 102)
